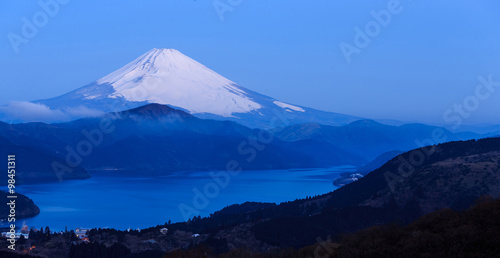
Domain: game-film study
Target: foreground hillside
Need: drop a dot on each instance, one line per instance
(450, 175)
(443, 233)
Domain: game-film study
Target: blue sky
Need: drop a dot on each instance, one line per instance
(425, 60)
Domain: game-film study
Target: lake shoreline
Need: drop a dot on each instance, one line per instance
(101, 201)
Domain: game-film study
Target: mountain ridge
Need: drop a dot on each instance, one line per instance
(162, 129)
(166, 76)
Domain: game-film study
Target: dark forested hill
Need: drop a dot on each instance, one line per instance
(35, 165)
(443, 233)
(25, 208)
(450, 175)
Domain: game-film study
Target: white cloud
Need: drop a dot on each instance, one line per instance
(24, 111)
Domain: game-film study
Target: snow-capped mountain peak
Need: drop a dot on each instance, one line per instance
(166, 76)
(162, 62)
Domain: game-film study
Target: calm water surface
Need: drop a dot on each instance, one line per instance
(121, 201)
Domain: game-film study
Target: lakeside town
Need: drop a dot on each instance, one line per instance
(46, 243)
(24, 233)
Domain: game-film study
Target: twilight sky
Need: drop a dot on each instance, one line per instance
(405, 60)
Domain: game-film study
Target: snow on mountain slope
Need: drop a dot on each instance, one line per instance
(170, 77)
(166, 76)
(288, 106)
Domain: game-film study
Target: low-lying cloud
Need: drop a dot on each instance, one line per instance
(24, 111)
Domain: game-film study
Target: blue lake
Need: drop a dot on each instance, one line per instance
(120, 201)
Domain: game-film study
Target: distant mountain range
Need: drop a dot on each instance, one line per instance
(158, 139)
(33, 162)
(369, 139)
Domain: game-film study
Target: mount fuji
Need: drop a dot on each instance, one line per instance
(166, 76)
